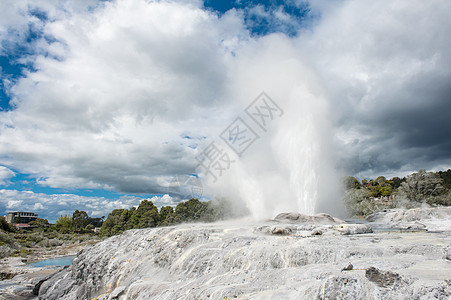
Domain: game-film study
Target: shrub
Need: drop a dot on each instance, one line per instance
(355, 201)
(5, 225)
(422, 186)
(350, 182)
(444, 199)
(360, 203)
(5, 251)
(7, 239)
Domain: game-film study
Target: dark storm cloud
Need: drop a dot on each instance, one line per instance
(414, 132)
(387, 68)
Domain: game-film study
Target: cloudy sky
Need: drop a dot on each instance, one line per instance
(103, 103)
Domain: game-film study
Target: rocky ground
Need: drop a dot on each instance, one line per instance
(19, 280)
(398, 254)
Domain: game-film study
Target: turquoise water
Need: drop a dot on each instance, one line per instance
(55, 262)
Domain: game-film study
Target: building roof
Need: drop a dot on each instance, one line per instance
(21, 225)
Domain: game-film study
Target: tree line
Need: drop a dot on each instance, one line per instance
(79, 222)
(367, 196)
(147, 215)
(144, 216)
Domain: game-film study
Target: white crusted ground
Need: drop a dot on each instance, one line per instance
(270, 260)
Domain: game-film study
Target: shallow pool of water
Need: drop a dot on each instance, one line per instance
(55, 262)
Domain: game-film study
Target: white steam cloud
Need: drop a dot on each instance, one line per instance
(291, 166)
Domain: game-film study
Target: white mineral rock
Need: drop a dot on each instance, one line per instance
(270, 260)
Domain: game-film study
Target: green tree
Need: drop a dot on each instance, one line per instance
(64, 224)
(166, 216)
(40, 224)
(396, 182)
(351, 183)
(5, 225)
(380, 180)
(189, 211)
(112, 224)
(125, 219)
(146, 215)
(96, 222)
(446, 176)
(384, 191)
(149, 219)
(381, 187)
(80, 220)
(221, 209)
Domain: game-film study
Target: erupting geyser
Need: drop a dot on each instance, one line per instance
(290, 167)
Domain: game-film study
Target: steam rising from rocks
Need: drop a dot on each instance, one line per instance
(291, 167)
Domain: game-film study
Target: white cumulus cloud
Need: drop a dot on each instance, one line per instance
(5, 175)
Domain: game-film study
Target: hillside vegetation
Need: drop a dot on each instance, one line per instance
(368, 196)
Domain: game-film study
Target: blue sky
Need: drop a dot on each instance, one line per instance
(266, 22)
(97, 98)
